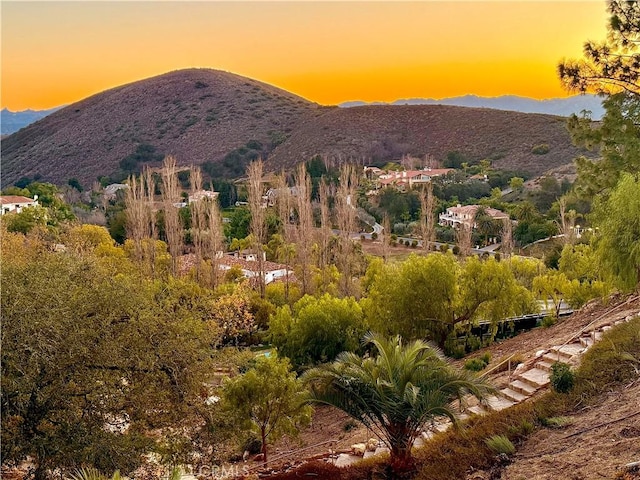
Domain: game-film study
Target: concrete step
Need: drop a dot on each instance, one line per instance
(512, 395)
(477, 410)
(522, 388)
(586, 342)
(499, 403)
(544, 365)
(597, 336)
(442, 426)
(570, 350)
(606, 328)
(535, 377)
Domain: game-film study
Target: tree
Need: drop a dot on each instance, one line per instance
(427, 297)
(427, 217)
(485, 224)
(618, 242)
(617, 137)
(516, 183)
(257, 222)
(86, 238)
(612, 65)
(553, 285)
(268, 400)
(304, 227)
(92, 357)
(173, 228)
(397, 391)
(317, 329)
(346, 216)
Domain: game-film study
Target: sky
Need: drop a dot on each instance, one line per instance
(56, 53)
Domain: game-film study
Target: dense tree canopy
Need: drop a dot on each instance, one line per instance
(618, 243)
(317, 329)
(93, 356)
(428, 297)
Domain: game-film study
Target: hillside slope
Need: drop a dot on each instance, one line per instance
(200, 115)
(386, 131)
(197, 115)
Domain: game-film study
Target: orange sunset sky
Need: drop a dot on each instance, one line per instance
(56, 53)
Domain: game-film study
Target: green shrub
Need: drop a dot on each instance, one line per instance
(562, 377)
(556, 422)
(548, 321)
(478, 363)
(541, 149)
(456, 250)
(474, 364)
(500, 444)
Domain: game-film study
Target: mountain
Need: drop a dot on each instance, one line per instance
(563, 107)
(13, 121)
(382, 132)
(223, 121)
(198, 115)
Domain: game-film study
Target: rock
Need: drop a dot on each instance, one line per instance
(381, 450)
(372, 444)
(359, 448)
(344, 460)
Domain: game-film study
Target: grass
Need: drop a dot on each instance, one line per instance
(500, 444)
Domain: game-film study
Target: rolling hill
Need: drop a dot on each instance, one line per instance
(203, 115)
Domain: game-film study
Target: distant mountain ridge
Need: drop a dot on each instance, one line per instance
(223, 121)
(13, 121)
(563, 107)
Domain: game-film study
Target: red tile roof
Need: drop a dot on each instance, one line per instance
(5, 199)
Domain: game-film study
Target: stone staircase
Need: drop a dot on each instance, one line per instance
(528, 379)
(534, 376)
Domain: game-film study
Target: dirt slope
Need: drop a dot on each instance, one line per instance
(599, 441)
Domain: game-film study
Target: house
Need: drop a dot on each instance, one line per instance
(16, 203)
(272, 195)
(200, 194)
(405, 179)
(455, 216)
(111, 190)
(271, 271)
(246, 261)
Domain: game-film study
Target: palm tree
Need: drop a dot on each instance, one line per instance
(396, 392)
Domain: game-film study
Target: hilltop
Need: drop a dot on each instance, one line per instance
(201, 115)
(198, 115)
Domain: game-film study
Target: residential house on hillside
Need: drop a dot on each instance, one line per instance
(200, 194)
(272, 194)
(16, 203)
(405, 179)
(110, 191)
(249, 265)
(246, 261)
(455, 216)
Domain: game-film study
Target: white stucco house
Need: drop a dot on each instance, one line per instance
(16, 203)
(455, 216)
